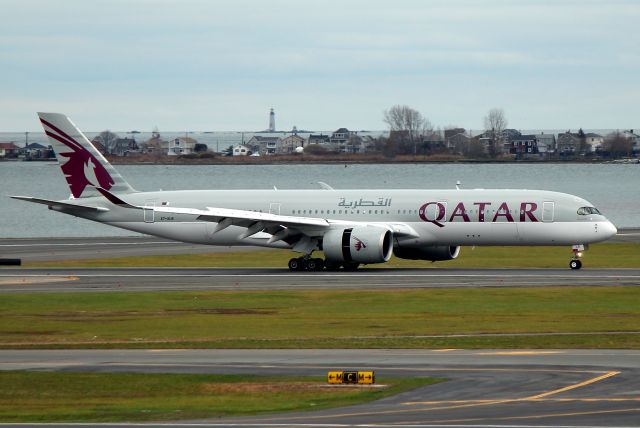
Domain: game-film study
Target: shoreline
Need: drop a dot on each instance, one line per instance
(334, 161)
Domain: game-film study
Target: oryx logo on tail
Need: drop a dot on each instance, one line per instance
(81, 168)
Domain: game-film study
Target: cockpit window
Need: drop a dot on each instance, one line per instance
(587, 210)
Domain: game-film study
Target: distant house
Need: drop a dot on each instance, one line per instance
(241, 150)
(456, 142)
(546, 143)
(635, 139)
(568, 143)
(507, 136)
(155, 144)
(264, 145)
(9, 150)
(318, 139)
(340, 138)
(524, 144)
(455, 133)
(36, 151)
(291, 143)
(124, 146)
(594, 141)
(181, 146)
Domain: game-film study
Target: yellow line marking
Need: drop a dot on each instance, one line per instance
(552, 400)
(570, 387)
(445, 350)
(548, 415)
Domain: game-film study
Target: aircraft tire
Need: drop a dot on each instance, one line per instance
(296, 264)
(312, 264)
(575, 264)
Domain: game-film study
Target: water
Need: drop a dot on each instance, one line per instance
(614, 189)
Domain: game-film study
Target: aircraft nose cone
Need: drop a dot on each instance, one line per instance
(609, 229)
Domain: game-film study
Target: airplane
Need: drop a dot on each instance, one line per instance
(351, 227)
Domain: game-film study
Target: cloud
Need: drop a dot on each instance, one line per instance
(321, 63)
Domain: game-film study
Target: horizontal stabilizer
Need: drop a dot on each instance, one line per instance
(115, 200)
(59, 204)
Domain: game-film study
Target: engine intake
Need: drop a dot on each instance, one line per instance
(433, 253)
(358, 245)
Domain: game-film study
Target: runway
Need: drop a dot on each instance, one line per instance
(19, 280)
(484, 388)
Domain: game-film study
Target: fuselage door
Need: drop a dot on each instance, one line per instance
(547, 212)
(149, 213)
(274, 208)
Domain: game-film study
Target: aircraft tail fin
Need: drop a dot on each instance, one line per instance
(83, 165)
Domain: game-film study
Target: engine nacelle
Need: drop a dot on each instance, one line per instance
(358, 245)
(433, 253)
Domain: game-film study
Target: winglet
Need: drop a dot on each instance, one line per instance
(114, 199)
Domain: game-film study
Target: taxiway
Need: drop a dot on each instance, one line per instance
(484, 388)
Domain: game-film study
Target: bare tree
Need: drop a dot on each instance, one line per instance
(407, 121)
(617, 145)
(108, 140)
(495, 123)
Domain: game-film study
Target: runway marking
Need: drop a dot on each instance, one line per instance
(577, 385)
(471, 403)
(548, 415)
(523, 352)
(547, 400)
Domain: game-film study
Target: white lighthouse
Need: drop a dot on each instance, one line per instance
(272, 121)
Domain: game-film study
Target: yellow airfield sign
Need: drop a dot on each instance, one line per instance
(351, 377)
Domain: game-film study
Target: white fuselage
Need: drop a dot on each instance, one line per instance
(438, 217)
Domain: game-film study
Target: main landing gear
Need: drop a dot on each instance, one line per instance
(317, 264)
(575, 262)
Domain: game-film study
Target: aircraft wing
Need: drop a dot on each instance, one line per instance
(59, 204)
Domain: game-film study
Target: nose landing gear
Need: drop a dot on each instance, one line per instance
(575, 262)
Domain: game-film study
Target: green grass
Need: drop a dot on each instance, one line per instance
(617, 255)
(325, 318)
(116, 397)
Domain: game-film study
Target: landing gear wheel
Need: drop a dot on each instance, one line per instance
(315, 264)
(296, 264)
(575, 264)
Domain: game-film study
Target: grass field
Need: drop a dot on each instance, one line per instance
(583, 317)
(617, 255)
(115, 397)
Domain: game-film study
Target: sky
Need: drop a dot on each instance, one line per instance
(221, 65)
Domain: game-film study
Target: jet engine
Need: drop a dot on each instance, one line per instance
(433, 253)
(358, 245)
